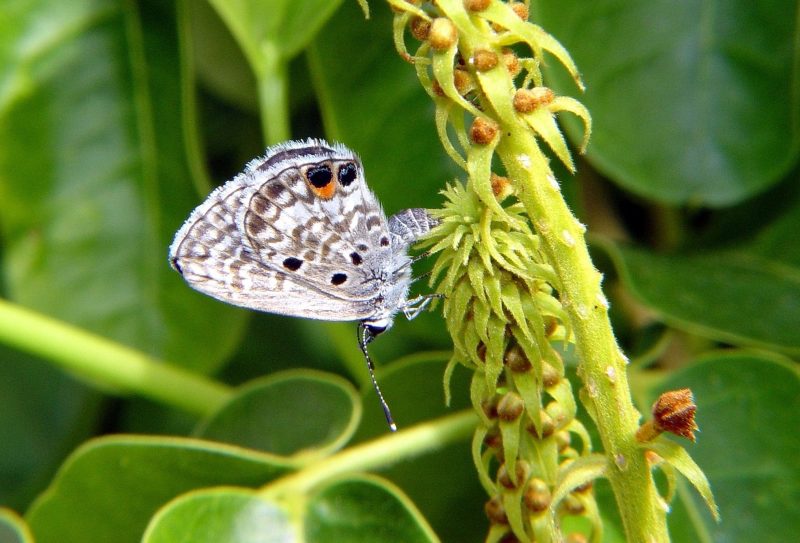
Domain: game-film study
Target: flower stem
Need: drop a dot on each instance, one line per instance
(109, 363)
(603, 366)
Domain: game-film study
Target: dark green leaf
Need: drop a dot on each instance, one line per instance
(748, 410)
(109, 488)
(305, 413)
(43, 414)
(693, 102)
(364, 510)
(219, 516)
(735, 297)
(94, 178)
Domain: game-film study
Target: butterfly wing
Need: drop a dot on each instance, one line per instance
(214, 257)
(314, 218)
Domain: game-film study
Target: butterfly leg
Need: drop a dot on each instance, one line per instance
(413, 307)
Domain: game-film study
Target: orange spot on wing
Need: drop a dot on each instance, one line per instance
(326, 192)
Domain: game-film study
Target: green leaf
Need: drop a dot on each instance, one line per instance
(748, 407)
(364, 509)
(43, 413)
(302, 413)
(94, 177)
(694, 102)
(218, 516)
(12, 528)
(733, 296)
(109, 488)
(678, 458)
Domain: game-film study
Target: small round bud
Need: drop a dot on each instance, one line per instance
(512, 62)
(476, 5)
(572, 505)
(443, 34)
(527, 100)
(484, 60)
(462, 81)
(420, 28)
(576, 537)
(673, 412)
(550, 376)
(489, 407)
(547, 427)
(520, 9)
(537, 496)
(483, 131)
(495, 511)
(501, 186)
(510, 406)
(521, 470)
(515, 358)
(493, 439)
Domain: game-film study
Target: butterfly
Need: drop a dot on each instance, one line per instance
(299, 233)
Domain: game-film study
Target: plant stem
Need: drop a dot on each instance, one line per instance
(603, 366)
(273, 95)
(113, 365)
(376, 453)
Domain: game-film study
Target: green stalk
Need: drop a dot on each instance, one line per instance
(116, 366)
(273, 94)
(603, 366)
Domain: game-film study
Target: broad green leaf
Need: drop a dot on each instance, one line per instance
(220, 516)
(302, 414)
(94, 176)
(748, 407)
(110, 487)
(43, 413)
(692, 102)
(733, 296)
(12, 528)
(364, 509)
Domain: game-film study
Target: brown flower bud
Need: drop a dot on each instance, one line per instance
(476, 5)
(443, 34)
(550, 375)
(483, 131)
(527, 100)
(495, 511)
(420, 28)
(537, 496)
(673, 412)
(501, 186)
(484, 60)
(572, 505)
(520, 9)
(515, 359)
(510, 406)
(521, 471)
(512, 62)
(462, 81)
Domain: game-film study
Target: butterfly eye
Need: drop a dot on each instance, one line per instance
(319, 176)
(338, 278)
(347, 173)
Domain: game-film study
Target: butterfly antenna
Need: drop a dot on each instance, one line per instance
(364, 337)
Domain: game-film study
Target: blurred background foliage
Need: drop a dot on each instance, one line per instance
(116, 118)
